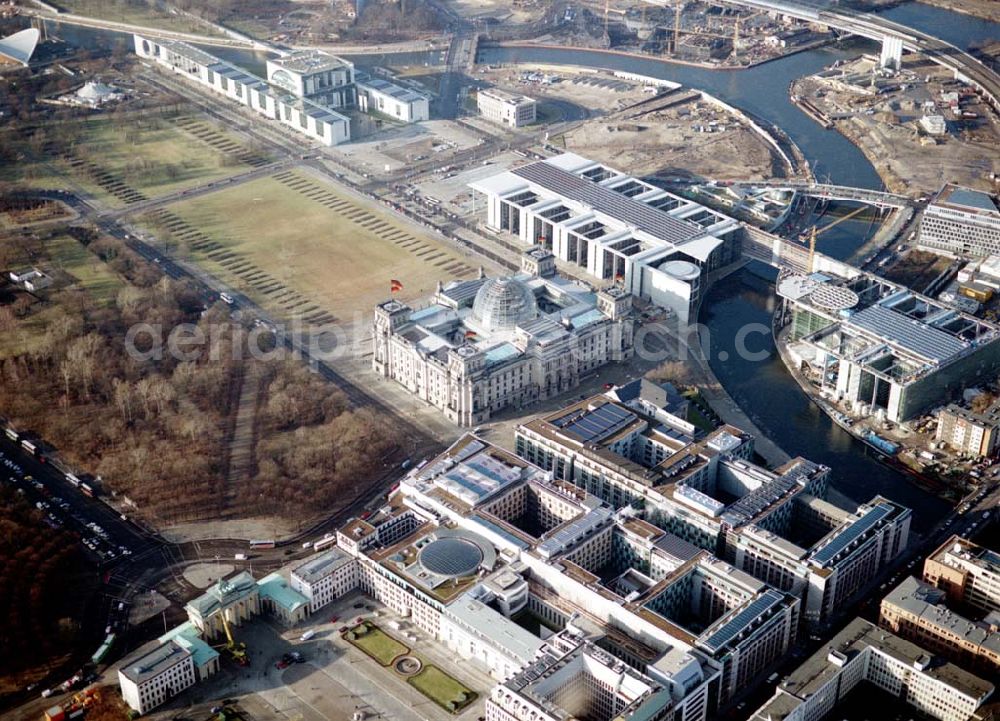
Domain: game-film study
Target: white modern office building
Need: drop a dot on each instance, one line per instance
(486, 344)
(961, 221)
(505, 108)
(574, 679)
(323, 78)
(865, 653)
(883, 349)
(318, 123)
(616, 227)
(392, 99)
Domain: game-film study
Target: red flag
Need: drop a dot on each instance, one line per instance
(395, 286)
(470, 334)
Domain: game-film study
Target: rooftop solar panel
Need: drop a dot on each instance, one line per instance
(627, 210)
(925, 341)
(857, 529)
(732, 628)
(594, 425)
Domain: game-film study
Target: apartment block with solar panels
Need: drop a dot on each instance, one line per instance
(613, 226)
(612, 541)
(493, 539)
(887, 350)
(774, 524)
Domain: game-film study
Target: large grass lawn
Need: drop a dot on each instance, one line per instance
(151, 156)
(377, 644)
(330, 249)
(91, 273)
(157, 159)
(442, 689)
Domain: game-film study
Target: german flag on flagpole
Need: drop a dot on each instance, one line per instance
(395, 286)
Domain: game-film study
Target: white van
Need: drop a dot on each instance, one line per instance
(307, 635)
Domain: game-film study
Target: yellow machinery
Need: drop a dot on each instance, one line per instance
(238, 651)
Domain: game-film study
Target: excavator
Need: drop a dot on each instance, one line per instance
(236, 651)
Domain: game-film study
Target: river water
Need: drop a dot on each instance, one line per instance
(764, 390)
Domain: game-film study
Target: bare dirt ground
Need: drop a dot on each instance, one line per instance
(667, 142)
(517, 12)
(887, 129)
(270, 527)
(916, 269)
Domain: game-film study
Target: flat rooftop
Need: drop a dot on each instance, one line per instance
(860, 636)
(967, 199)
(635, 213)
(923, 340)
(928, 603)
(393, 90)
(321, 565)
(506, 97)
(155, 662)
(304, 62)
(223, 594)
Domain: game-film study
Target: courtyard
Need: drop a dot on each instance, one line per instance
(337, 679)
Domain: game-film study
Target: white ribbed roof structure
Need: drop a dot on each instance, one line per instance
(20, 46)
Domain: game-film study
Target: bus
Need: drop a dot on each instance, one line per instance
(12, 434)
(325, 542)
(226, 298)
(86, 489)
(262, 544)
(72, 480)
(29, 447)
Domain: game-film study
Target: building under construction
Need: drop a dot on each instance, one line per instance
(882, 349)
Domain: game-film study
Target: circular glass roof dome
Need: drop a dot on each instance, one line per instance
(451, 557)
(502, 303)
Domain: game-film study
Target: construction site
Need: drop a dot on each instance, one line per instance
(918, 126)
(714, 34)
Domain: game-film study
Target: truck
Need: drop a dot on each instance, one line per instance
(240, 557)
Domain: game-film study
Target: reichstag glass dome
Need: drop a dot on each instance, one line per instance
(502, 303)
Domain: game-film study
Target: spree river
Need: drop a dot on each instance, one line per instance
(765, 391)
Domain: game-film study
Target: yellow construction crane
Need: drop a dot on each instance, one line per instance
(815, 232)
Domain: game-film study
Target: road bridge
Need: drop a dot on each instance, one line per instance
(827, 191)
(889, 33)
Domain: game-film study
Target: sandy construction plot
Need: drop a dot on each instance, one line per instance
(300, 247)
